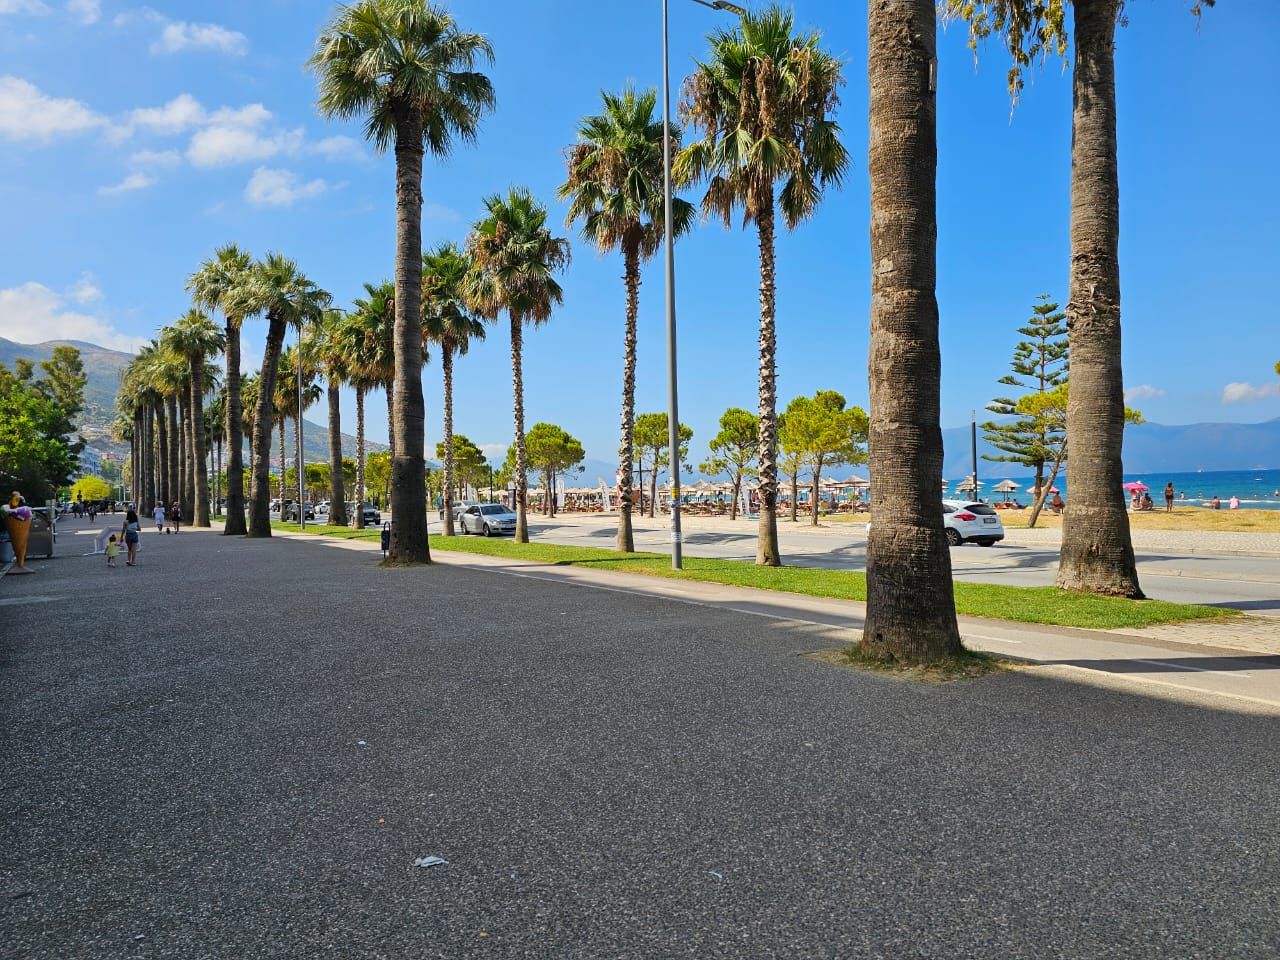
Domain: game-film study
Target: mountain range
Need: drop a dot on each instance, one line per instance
(102, 369)
(1148, 447)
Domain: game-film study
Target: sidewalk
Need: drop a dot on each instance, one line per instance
(1205, 661)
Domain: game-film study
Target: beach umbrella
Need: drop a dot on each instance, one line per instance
(1136, 486)
(1006, 487)
(967, 485)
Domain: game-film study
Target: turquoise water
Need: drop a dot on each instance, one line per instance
(1257, 489)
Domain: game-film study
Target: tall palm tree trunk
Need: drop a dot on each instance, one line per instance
(337, 493)
(408, 434)
(260, 487)
(284, 426)
(626, 447)
(199, 453)
(358, 519)
(1097, 550)
(235, 437)
(653, 486)
(186, 482)
(162, 443)
(795, 495)
(767, 552)
(814, 493)
(175, 451)
(911, 613)
(522, 457)
(446, 364)
(148, 501)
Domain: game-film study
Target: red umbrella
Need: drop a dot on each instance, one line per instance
(1136, 485)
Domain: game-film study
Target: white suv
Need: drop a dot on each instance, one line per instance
(971, 522)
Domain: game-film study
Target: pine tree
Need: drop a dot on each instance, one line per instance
(1040, 364)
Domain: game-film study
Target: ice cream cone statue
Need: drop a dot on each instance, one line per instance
(17, 523)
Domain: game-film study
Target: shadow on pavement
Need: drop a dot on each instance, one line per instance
(1175, 664)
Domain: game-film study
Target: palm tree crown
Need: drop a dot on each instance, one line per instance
(615, 176)
(763, 102)
(404, 62)
(446, 315)
(515, 259)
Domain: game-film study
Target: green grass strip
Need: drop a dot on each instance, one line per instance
(1047, 605)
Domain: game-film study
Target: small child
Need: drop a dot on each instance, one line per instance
(113, 550)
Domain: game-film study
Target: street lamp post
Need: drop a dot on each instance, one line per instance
(673, 405)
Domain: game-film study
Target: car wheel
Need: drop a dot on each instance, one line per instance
(487, 532)
(954, 538)
(986, 543)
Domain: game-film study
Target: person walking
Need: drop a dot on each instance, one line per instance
(132, 531)
(1168, 497)
(175, 517)
(158, 515)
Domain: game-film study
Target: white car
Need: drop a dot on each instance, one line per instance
(971, 522)
(487, 519)
(459, 508)
(968, 521)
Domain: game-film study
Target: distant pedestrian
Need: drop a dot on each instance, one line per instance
(132, 531)
(1057, 503)
(1168, 496)
(158, 514)
(175, 517)
(93, 511)
(113, 550)
(1234, 502)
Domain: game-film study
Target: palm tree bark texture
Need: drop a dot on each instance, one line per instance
(767, 550)
(1097, 552)
(446, 361)
(358, 520)
(200, 461)
(337, 493)
(522, 454)
(408, 468)
(911, 614)
(264, 416)
(626, 447)
(235, 524)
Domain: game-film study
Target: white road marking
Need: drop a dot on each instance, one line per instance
(1181, 666)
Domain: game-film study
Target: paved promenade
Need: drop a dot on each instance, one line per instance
(239, 750)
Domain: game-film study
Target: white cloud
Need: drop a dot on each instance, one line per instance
(439, 213)
(178, 115)
(281, 188)
(1247, 392)
(177, 36)
(86, 11)
(23, 6)
(85, 290)
(156, 159)
(134, 181)
(1144, 391)
(497, 451)
(223, 145)
(339, 148)
(33, 313)
(28, 114)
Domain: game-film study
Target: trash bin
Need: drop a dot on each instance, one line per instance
(386, 537)
(40, 543)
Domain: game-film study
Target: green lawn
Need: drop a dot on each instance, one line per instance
(1024, 604)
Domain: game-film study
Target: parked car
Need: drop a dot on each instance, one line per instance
(489, 519)
(459, 507)
(971, 522)
(967, 521)
(371, 516)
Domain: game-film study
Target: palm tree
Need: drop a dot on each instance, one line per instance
(216, 418)
(360, 339)
(378, 360)
(328, 349)
(277, 288)
(911, 614)
(447, 321)
(195, 338)
(213, 287)
(514, 262)
(294, 364)
(763, 103)
(615, 188)
(406, 67)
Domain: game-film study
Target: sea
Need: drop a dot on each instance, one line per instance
(1257, 489)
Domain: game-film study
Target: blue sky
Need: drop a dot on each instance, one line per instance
(136, 139)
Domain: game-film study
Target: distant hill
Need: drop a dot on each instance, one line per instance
(103, 368)
(1148, 448)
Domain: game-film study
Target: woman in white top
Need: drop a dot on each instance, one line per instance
(158, 513)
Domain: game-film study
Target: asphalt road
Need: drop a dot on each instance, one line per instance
(1250, 583)
(238, 749)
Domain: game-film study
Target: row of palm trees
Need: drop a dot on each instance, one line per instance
(766, 144)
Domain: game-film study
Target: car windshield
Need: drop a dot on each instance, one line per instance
(489, 509)
(981, 509)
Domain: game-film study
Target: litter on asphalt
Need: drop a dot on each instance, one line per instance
(432, 861)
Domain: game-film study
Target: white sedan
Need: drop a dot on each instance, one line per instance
(968, 521)
(489, 519)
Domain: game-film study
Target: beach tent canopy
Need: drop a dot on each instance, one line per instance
(1005, 486)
